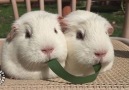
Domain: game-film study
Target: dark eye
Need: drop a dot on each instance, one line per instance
(106, 33)
(55, 30)
(79, 35)
(28, 34)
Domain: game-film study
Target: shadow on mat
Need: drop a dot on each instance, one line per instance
(58, 81)
(123, 54)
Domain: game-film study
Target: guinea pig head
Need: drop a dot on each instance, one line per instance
(38, 37)
(88, 41)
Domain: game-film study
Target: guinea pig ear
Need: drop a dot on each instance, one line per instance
(62, 23)
(12, 33)
(110, 28)
(110, 31)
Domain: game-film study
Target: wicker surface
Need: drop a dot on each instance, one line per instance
(115, 79)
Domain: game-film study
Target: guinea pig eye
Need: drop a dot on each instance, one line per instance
(79, 35)
(106, 33)
(28, 34)
(55, 31)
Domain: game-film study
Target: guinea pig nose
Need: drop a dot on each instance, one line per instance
(100, 54)
(47, 50)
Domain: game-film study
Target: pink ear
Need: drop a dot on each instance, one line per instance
(111, 28)
(110, 31)
(12, 33)
(62, 23)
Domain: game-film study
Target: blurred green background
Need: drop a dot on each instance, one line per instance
(112, 12)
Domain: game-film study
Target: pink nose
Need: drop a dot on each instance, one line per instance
(100, 54)
(47, 50)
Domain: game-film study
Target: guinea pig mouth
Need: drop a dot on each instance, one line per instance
(48, 58)
(97, 61)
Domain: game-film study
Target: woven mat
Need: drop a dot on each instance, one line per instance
(115, 79)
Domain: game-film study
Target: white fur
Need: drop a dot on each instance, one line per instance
(81, 55)
(22, 58)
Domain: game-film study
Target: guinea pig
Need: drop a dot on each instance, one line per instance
(87, 36)
(35, 38)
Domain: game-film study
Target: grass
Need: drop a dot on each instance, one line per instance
(7, 18)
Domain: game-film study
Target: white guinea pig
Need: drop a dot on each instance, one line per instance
(87, 36)
(35, 38)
